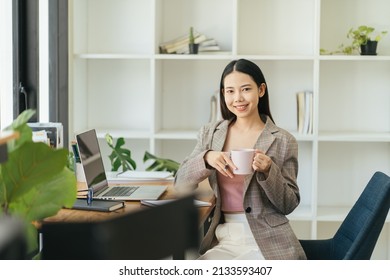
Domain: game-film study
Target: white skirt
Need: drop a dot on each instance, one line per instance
(235, 241)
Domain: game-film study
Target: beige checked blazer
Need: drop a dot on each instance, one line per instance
(266, 201)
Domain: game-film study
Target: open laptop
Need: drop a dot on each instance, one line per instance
(95, 175)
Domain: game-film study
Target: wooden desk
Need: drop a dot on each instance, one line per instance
(203, 193)
(6, 136)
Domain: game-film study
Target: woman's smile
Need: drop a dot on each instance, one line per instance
(241, 108)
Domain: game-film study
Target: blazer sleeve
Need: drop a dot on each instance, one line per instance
(193, 169)
(281, 185)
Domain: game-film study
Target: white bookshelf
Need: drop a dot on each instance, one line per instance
(122, 85)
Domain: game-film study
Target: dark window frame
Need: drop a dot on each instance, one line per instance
(25, 14)
(26, 56)
(58, 65)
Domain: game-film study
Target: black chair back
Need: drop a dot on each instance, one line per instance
(357, 236)
(359, 232)
(149, 234)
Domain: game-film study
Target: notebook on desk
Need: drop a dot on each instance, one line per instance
(95, 175)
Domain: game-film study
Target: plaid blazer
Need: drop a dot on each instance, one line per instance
(266, 201)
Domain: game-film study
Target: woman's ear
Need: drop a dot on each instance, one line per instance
(262, 88)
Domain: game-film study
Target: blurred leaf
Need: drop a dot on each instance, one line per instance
(35, 181)
(31, 164)
(161, 164)
(20, 125)
(119, 157)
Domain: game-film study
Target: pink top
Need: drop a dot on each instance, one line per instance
(232, 192)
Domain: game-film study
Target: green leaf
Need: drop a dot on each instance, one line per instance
(21, 120)
(47, 198)
(120, 142)
(20, 125)
(35, 181)
(31, 164)
(109, 140)
(119, 157)
(161, 164)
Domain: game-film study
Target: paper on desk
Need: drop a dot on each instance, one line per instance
(154, 203)
(131, 175)
(145, 174)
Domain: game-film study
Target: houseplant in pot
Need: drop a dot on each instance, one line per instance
(121, 158)
(193, 48)
(364, 38)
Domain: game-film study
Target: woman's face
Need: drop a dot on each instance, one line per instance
(242, 94)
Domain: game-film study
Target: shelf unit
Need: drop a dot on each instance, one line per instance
(122, 85)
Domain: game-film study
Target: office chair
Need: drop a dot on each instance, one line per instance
(153, 233)
(357, 236)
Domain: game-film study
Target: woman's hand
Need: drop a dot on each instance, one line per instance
(220, 161)
(261, 162)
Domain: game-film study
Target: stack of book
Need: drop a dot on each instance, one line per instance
(210, 45)
(180, 44)
(50, 133)
(305, 112)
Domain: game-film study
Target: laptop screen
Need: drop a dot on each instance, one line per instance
(91, 160)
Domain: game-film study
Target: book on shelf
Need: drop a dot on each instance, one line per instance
(183, 47)
(180, 44)
(216, 52)
(209, 45)
(209, 42)
(209, 48)
(50, 133)
(305, 112)
(179, 41)
(98, 205)
(75, 150)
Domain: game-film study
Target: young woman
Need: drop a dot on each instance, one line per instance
(249, 220)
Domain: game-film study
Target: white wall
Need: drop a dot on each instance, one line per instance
(6, 96)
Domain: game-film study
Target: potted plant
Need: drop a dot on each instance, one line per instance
(121, 158)
(35, 182)
(363, 37)
(193, 47)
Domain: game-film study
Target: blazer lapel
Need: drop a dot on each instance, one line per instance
(219, 136)
(267, 137)
(216, 144)
(263, 143)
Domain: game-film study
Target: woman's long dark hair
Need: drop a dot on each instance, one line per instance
(251, 69)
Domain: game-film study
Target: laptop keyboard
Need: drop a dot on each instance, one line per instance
(121, 191)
